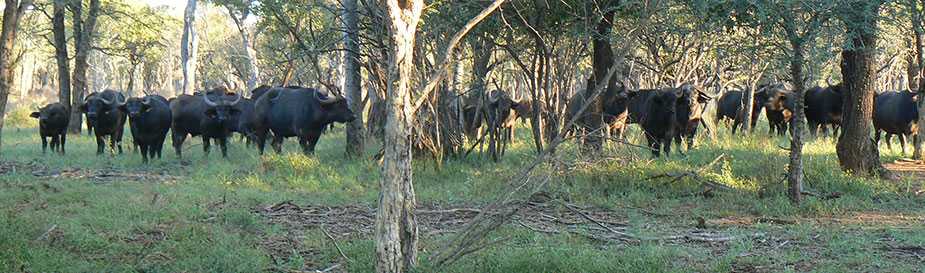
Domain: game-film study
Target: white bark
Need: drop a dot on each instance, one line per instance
(188, 47)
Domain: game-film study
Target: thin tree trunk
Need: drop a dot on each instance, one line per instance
(188, 46)
(601, 62)
(83, 33)
(396, 226)
(856, 151)
(795, 170)
(253, 73)
(919, 31)
(12, 13)
(64, 71)
(352, 78)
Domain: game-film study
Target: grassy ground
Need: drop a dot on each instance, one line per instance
(82, 212)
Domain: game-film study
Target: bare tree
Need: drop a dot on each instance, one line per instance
(916, 9)
(188, 46)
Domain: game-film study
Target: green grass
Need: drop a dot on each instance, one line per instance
(204, 221)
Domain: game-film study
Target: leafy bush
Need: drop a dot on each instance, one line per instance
(19, 118)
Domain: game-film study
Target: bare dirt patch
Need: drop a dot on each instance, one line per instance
(912, 170)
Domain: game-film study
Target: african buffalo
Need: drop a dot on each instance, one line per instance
(103, 112)
(692, 103)
(896, 113)
(823, 108)
(149, 119)
(53, 120)
(688, 109)
(208, 115)
(297, 112)
(778, 103)
(730, 106)
(499, 117)
(88, 120)
(658, 116)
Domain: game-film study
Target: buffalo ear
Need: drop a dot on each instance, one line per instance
(35, 114)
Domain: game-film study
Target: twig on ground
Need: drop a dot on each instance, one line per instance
(337, 246)
(45, 235)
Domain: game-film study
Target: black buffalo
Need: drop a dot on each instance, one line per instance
(88, 121)
(692, 104)
(53, 120)
(778, 103)
(895, 113)
(108, 121)
(209, 115)
(823, 109)
(297, 112)
(149, 120)
(731, 106)
(688, 108)
(657, 113)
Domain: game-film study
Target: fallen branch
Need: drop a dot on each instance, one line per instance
(337, 246)
(45, 235)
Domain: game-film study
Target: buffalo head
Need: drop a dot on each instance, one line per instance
(335, 108)
(98, 105)
(134, 107)
(223, 109)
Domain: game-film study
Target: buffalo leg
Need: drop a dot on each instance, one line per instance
(178, 140)
(63, 141)
(902, 143)
(206, 145)
(666, 147)
(308, 142)
(144, 153)
(261, 141)
(100, 143)
(277, 143)
(889, 145)
(654, 145)
(44, 144)
(223, 144)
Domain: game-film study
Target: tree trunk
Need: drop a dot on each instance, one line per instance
(352, 78)
(253, 73)
(601, 62)
(856, 151)
(12, 13)
(83, 37)
(919, 31)
(188, 46)
(795, 170)
(396, 226)
(64, 70)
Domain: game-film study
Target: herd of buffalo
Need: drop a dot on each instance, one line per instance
(290, 111)
(665, 115)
